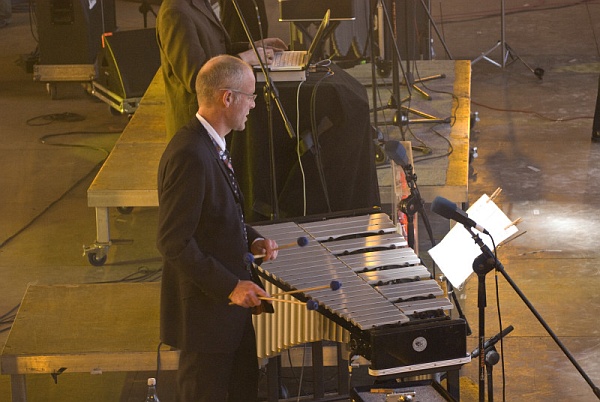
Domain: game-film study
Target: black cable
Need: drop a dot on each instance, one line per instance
(315, 131)
(432, 157)
(51, 118)
(294, 376)
(143, 274)
(453, 113)
(56, 201)
(33, 22)
(96, 167)
(157, 364)
(499, 321)
(537, 114)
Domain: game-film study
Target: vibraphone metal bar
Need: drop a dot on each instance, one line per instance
(384, 286)
(314, 265)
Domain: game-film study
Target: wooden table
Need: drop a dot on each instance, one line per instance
(85, 329)
(101, 328)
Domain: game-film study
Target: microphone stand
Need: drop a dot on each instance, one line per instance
(414, 204)
(491, 358)
(271, 94)
(145, 8)
(402, 112)
(483, 264)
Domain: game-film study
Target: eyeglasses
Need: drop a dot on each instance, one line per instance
(251, 97)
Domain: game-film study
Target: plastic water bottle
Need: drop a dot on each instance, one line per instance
(152, 395)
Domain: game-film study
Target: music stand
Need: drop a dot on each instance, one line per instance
(506, 50)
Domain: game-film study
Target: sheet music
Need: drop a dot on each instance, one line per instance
(457, 250)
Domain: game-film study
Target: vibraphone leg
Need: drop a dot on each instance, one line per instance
(343, 376)
(453, 384)
(318, 370)
(273, 379)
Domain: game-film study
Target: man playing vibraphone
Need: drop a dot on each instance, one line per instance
(207, 291)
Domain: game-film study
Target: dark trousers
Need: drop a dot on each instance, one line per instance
(220, 377)
(596, 126)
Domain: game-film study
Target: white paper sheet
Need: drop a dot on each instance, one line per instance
(457, 250)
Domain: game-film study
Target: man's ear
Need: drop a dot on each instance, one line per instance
(227, 98)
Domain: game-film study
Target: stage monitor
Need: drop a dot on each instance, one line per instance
(313, 10)
(70, 31)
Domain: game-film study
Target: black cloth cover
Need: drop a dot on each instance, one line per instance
(346, 151)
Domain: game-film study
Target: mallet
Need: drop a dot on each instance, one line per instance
(310, 304)
(333, 285)
(301, 241)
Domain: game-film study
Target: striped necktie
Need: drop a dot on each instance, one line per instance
(225, 157)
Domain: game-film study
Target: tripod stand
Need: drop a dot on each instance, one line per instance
(402, 115)
(506, 50)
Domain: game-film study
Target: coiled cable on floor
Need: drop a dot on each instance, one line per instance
(46, 119)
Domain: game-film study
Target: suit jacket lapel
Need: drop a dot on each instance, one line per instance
(202, 7)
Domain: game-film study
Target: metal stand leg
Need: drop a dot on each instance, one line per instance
(506, 50)
(402, 116)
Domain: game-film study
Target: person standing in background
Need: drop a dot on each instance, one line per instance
(251, 10)
(189, 34)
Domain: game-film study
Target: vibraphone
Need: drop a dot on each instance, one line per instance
(388, 308)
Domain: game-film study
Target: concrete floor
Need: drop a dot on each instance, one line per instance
(533, 140)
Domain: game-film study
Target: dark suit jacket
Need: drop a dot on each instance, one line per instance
(231, 20)
(188, 35)
(200, 236)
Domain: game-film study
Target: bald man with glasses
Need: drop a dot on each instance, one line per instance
(207, 292)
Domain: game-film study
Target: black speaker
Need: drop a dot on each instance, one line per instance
(70, 31)
(129, 61)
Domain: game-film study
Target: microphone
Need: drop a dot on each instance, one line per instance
(396, 152)
(449, 210)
